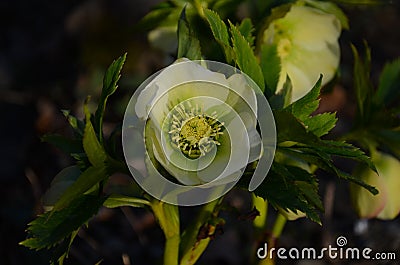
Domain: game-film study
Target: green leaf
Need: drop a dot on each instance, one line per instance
(284, 97)
(321, 124)
(116, 200)
(93, 149)
(62, 250)
(75, 123)
(110, 80)
(52, 227)
(245, 58)
(389, 84)
(270, 66)
(292, 188)
(65, 144)
(218, 27)
(220, 33)
(85, 181)
(155, 17)
(188, 44)
(60, 183)
(246, 28)
(321, 156)
(306, 105)
(331, 8)
(291, 129)
(362, 83)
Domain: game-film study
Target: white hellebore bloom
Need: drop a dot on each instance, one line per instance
(200, 124)
(191, 129)
(307, 45)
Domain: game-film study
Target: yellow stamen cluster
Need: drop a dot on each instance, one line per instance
(194, 132)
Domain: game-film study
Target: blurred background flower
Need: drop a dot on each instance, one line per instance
(307, 45)
(385, 205)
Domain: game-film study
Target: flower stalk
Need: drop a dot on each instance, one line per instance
(168, 217)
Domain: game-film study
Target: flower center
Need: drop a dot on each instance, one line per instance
(194, 132)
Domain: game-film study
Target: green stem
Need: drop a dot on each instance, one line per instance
(168, 217)
(193, 248)
(275, 234)
(260, 222)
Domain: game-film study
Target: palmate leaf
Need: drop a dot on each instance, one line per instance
(306, 146)
(291, 188)
(52, 227)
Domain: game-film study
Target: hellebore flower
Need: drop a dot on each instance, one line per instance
(192, 128)
(307, 45)
(190, 122)
(386, 204)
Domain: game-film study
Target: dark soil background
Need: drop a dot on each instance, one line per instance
(54, 53)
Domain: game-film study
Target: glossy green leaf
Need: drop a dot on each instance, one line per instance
(52, 227)
(245, 58)
(188, 44)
